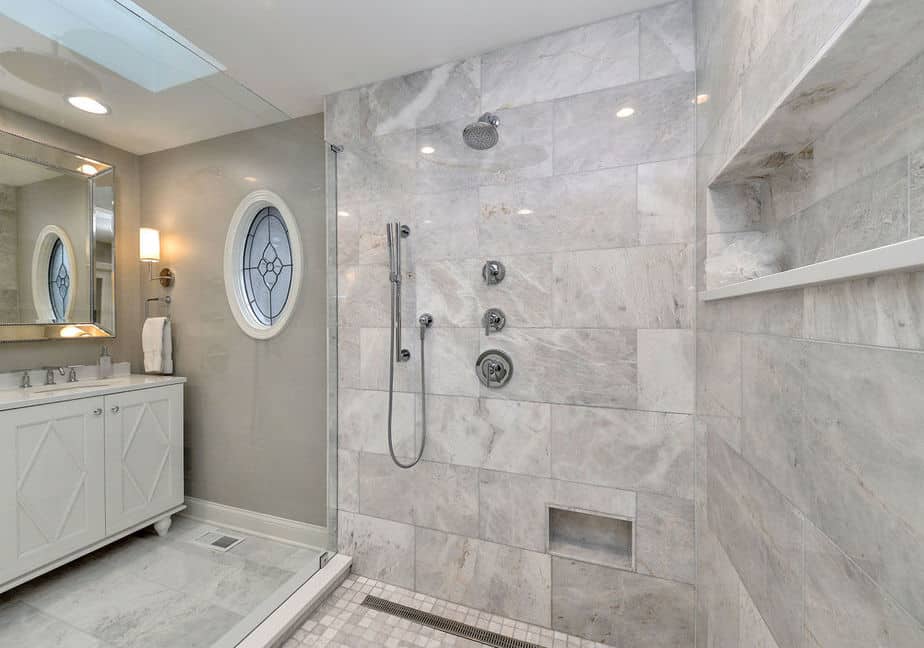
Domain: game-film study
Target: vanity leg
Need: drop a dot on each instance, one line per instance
(162, 526)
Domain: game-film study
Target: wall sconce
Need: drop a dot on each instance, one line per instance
(149, 253)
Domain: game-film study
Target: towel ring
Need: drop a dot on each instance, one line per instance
(166, 301)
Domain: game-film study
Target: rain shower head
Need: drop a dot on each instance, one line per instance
(482, 134)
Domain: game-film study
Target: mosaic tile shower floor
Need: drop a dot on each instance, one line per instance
(342, 622)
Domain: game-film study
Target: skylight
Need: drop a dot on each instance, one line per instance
(118, 35)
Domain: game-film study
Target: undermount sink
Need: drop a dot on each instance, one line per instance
(88, 384)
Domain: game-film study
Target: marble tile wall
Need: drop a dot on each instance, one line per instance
(806, 441)
(593, 216)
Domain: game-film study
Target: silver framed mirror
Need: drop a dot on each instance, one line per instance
(57, 243)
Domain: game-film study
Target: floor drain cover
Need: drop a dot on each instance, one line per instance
(218, 541)
(446, 625)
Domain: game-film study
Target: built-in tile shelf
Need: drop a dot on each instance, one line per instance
(591, 537)
(898, 257)
(867, 49)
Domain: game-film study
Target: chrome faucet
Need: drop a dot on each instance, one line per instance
(50, 374)
(26, 381)
(72, 374)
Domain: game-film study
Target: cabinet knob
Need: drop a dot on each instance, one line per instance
(115, 410)
(98, 411)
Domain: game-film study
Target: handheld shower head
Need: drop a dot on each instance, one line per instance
(482, 134)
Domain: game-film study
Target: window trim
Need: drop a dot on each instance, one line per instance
(41, 257)
(235, 241)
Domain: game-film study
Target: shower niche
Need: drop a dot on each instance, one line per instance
(591, 537)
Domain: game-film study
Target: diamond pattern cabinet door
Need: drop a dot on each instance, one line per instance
(144, 455)
(52, 492)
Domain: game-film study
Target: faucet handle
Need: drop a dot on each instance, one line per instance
(26, 380)
(72, 374)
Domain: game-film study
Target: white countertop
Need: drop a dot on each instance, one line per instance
(63, 391)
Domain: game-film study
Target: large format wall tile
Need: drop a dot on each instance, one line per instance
(484, 575)
(574, 366)
(881, 311)
(642, 287)
(524, 151)
(666, 201)
(718, 372)
(446, 226)
(752, 629)
(597, 56)
(664, 537)
(624, 449)
(717, 586)
(440, 94)
(844, 607)
(834, 427)
(589, 136)
(437, 496)
(488, 433)
(513, 508)
(667, 40)
(620, 608)
(566, 212)
(666, 370)
(377, 169)
(363, 416)
(380, 549)
(762, 534)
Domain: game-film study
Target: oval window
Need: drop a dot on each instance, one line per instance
(54, 282)
(59, 280)
(262, 264)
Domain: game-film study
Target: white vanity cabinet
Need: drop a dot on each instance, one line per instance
(144, 455)
(86, 469)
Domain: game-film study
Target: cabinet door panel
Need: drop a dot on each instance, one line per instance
(144, 455)
(52, 499)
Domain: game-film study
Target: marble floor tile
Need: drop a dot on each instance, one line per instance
(146, 591)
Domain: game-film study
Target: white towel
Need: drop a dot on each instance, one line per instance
(157, 344)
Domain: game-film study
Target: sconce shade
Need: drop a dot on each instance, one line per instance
(150, 244)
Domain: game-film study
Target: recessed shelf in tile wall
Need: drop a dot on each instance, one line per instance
(591, 537)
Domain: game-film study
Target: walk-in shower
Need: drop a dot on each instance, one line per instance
(394, 232)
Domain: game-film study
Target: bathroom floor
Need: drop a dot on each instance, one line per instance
(342, 622)
(149, 591)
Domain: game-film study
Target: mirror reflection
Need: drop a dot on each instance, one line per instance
(56, 239)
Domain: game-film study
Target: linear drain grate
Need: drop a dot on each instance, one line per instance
(446, 625)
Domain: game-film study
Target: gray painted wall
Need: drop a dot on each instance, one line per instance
(809, 451)
(255, 410)
(127, 346)
(599, 298)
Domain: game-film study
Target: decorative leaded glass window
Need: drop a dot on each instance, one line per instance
(262, 264)
(59, 280)
(267, 265)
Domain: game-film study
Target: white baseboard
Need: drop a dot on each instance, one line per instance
(261, 524)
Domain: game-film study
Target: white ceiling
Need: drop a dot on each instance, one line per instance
(293, 52)
(290, 53)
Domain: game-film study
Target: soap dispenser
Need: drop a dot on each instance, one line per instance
(105, 363)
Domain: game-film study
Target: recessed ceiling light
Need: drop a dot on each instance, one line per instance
(524, 212)
(427, 150)
(701, 99)
(625, 112)
(87, 169)
(88, 104)
(250, 179)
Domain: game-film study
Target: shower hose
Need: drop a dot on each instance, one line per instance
(391, 393)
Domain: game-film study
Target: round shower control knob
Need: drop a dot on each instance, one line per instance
(494, 368)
